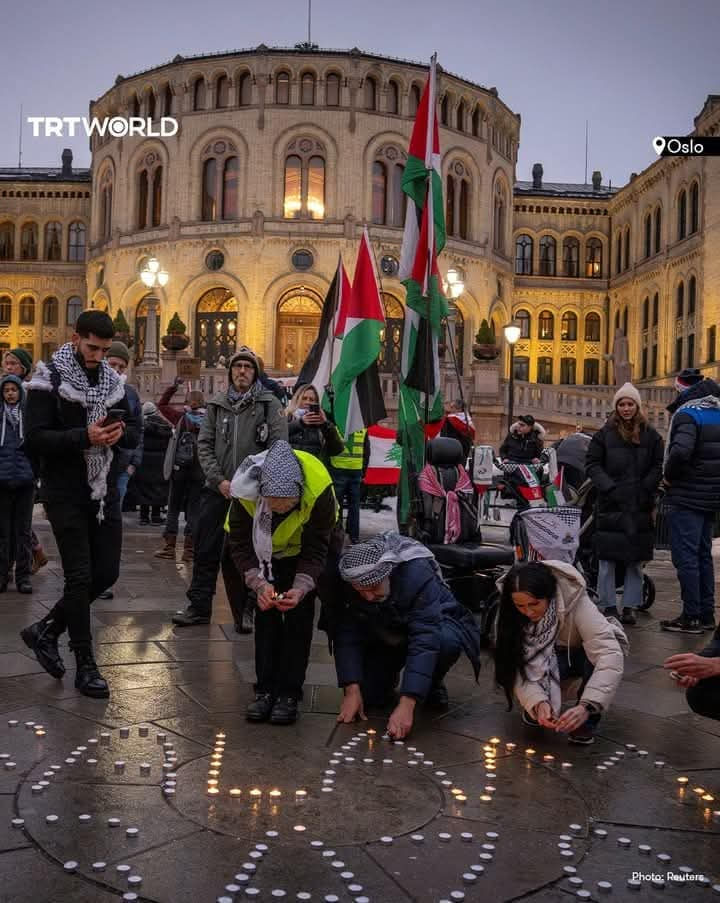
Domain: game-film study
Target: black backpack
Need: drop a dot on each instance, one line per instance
(186, 450)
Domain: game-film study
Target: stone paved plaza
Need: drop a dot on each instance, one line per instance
(473, 804)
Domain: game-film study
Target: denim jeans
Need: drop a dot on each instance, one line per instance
(576, 664)
(347, 485)
(691, 544)
(122, 485)
(632, 589)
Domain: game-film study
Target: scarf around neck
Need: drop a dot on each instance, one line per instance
(12, 414)
(539, 657)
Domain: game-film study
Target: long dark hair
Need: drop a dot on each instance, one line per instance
(532, 577)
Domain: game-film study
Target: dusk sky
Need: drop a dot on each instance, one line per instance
(634, 68)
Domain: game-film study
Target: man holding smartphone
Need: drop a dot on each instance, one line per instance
(77, 413)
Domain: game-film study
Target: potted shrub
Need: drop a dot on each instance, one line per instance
(176, 338)
(485, 347)
(122, 329)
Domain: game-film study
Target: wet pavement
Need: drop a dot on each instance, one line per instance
(165, 792)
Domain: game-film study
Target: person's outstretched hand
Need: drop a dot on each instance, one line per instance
(687, 664)
(352, 707)
(401, 720)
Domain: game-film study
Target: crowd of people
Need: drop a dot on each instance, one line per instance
(262, 487)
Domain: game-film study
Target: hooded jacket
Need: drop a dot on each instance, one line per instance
(15, 467)
(581, 624)
(523, 449)
(230, 433)
(692, 462)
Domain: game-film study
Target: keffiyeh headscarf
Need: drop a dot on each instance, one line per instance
(539, 657)
(275, 473)
(369, 563)
(96, 399)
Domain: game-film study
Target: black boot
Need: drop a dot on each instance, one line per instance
(88, 679)
(42, 638)
(247, 621)
(190, 617)
(260, 708)
(285, 711)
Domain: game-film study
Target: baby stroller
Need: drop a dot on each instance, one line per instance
(470, 566)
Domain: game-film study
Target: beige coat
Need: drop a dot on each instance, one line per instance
(581, 624)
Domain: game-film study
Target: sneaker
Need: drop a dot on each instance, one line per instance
(611, 612)
(260, 709)
(708, 623)
(682, 624)
(583, 736)
(285, 711)
(24, 587)
(628, 617)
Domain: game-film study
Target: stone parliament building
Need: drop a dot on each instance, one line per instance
(280, 158)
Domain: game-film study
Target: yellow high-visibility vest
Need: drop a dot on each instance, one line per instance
(352, 457)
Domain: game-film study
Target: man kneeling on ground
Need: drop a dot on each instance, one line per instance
(399, 614)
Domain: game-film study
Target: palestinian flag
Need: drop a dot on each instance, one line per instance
(342, 362)
(385, 457)
(423, 239)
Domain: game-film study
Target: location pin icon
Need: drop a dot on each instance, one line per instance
(659, 145)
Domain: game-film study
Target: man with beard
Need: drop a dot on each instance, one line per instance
(77, 412)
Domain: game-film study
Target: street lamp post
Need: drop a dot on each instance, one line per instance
(152, 275)
(512, 334)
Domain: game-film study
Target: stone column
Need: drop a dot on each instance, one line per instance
(151, 356)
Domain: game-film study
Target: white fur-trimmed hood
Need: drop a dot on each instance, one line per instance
(537, 428)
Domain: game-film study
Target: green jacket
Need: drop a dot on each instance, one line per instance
(228, 436)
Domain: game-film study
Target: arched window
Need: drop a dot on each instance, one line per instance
(392, 335)
(712, 344)
(545, 370)
(53, 241)
(692, 295)
(521, 368)
(150, 104)
(220, 181)
(625, 321)
(199, 94)
(74, 309)
(680, 301)
(142, 199)
(593, 258)
(415, 96)
(617, 320)
(548, 248)
(444, 105)
(568, 327)
(592, 327)
(135, 105)
(393, 97)
(691, 349)
(50, 312)
(523, 255)
(618, 253)
(460, 117)
(156, 206)
(149, 192)
(694, 208)
(370, 93)
(167, 100)
(245, 90)
(682, 215)
(475, 124)
(591, 372)
(522, 318)
(222, 92)
(648, 235)
(379, 192)
(658, 229)
(332, 90)
(5, 310)
(571, 257)
(499, 212)
(29, 242)
(546, 326)
(456, 201)
(646, 313)
(304, 194)
(209, 190)
(216, 318)
(7, 241)
(282, 88)
(568, 371)
(76, 241)
(656, 309)
(307, 89)
(27, 311)
(626, 251)
(106, 203)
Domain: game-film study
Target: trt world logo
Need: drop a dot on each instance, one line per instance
(114, 126)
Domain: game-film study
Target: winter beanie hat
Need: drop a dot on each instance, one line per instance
(119, 349)
(245, 354)
(690, 376)
(627, 391)
(24, 358)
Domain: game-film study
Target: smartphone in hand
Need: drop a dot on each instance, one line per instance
(115, 415)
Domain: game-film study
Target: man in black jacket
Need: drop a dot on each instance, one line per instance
(70, 428)
(692, 476)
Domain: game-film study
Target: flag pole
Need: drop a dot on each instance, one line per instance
(329, 388)
(429, 136)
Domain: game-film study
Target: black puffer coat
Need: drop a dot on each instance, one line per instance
(321, 441)
(523, 449)
(693, 461)
(149, 485)
(626, 477)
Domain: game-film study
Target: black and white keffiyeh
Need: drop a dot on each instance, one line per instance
(369, 563)
(96, 399)
(539, 657)
(275, 473)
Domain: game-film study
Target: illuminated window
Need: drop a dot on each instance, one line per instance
(593, 258)
(304, 191)
(53, 241)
